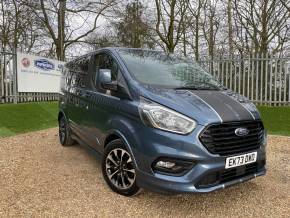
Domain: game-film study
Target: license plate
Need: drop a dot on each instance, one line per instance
(241, 160)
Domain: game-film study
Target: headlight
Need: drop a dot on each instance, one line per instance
(164, 118)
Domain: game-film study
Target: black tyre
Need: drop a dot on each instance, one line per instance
(119, 170)
(64, 132)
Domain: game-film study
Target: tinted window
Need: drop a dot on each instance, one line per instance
(84, 65)
(78, 72)
(80, 80)
(160, 69)
(96, 70)
(107, 62)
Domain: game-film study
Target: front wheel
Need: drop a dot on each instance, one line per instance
(64, 132)
(119, 170)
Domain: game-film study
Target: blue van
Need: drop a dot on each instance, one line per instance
(160, 122)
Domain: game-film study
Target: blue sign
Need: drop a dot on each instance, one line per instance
(60, 66)
(44, 64)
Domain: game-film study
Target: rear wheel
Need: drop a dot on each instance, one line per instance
(119, 170)
(64, 132)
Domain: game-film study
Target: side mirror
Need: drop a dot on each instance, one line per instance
(106, 80)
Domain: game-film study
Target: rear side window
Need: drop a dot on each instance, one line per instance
(96, 70)
(79, 73)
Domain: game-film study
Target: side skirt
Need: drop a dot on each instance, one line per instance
(88, 147)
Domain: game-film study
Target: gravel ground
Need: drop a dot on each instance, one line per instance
(39, 177)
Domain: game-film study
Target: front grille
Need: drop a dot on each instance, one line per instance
(221, 138)
(227, 175)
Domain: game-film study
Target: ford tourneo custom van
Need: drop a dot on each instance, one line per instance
(160, 122)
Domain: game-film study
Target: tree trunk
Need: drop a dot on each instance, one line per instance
(196, 40)
(61, 35)
(230, 27)
(184, 38)
(264, 34)
(170, 35)
(211, 37)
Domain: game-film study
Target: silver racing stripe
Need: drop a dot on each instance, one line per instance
(246, 108)
(207, 105)
(226, 107)
(235, 97)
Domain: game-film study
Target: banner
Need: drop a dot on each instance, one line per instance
(38, 74)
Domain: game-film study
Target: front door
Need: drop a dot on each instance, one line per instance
(103, 103)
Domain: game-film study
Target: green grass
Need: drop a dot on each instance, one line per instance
(21, 118)
(276, 119)
(27, 117)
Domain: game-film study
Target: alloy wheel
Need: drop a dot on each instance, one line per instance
(62, 130)
(120, 169)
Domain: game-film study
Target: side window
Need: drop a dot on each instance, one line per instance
(80, 80)
(81, 73)
(72, 82)
(96, 70)
(107, 62)
(84, 65)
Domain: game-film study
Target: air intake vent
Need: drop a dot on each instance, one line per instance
(223, 176)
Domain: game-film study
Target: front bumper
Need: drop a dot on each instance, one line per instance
(164, 186)
(157, 143)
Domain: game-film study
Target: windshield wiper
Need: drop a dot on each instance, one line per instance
(200, 86)
(186, 88)
(194, 88)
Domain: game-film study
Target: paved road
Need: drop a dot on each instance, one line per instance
(38, 177)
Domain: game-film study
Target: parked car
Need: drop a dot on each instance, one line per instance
(160, 122)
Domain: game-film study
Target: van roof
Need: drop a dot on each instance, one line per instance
(112, 49)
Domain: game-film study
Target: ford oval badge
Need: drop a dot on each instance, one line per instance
(242, 131)
(44, 64)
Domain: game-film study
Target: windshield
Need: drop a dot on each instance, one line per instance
(160, 69)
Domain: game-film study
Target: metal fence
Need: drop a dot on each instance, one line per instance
(8, 82)
(263, 79)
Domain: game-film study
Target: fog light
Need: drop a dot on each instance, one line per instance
(172, 166)
(165, 164)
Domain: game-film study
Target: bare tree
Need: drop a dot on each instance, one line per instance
(264, 22)
(211, 25)
(74, 19)
(195, 27)
(286, 4)
(170, 18)
(106, 39)
(195, 10)
(230, 27)
(19, 29)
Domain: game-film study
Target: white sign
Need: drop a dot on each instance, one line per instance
(38, 74)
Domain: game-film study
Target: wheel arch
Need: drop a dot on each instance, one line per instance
(116, 134)
(61, 114)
